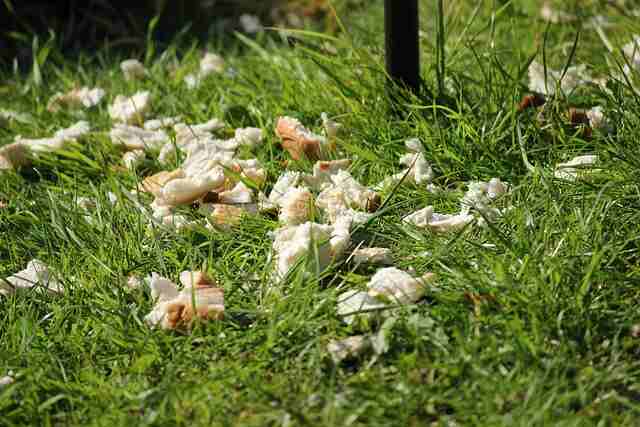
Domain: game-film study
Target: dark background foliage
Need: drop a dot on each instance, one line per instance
(87, 24)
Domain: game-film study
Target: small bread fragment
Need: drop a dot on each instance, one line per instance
(531, 101)
(226, 215)
(9, 116)
(250, 137)
(481, 196)
(239, 194)
(130, 110)
(13, 156)
(398, 286)
(6, 380)
(186, 134)
(195, 279)
(285, 181)
(186, 190)
(419, 170)
(555, 16)
(579, 167)
(427, 218)
(16, 154)
(199, 299)
(354, 305)
(632, 53)
(153, 184)
(295, 206)
(134, 282)
(73, 132)
(181, 312)
(348, 348)
(331, 128)
(133, 69)
(597, 119)
(323, 170)
(346, 197)
(209, 64)
(567, 80)
(381, 256)
(132, 158)
(76, 98)
(299, 141)
(319, 242)
(36, 274)
(160, 123)
(136, 138)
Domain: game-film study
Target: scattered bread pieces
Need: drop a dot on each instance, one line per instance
(480, 196)
(317, 242)
(299, 141)
(296, 206)
(8, 116)
(209, 64)
(356, 195)
(331, 128)
(344, 197)
(73, 132)
(575, 76)
(348, 348)
(579, 167)
(554, 16)
(136, 138)
(632, 51)
(427, 218)
(239, 194)
(597, 118)
(380, 256)
(418, 170)
(187, 190)
(35, 275)
(250, 23)
(77, 98)
(324, 169)
(131, 159)
(153, 184)
(130, 110)
(249, 137)
(133, 69)
(285, 181)
(354, 305)
(531, 101)
(6, 380)
(18, 154)
(163, 122)
(199, 299)
(225, 216)
(397, 286)
(185, 133)
(13, 156)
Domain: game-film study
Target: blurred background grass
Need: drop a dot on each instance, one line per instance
(87, 24)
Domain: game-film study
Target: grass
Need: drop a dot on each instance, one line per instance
(530, 322)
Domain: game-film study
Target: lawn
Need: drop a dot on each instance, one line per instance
(531, 318)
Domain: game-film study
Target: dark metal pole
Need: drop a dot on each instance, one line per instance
(401, 22)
